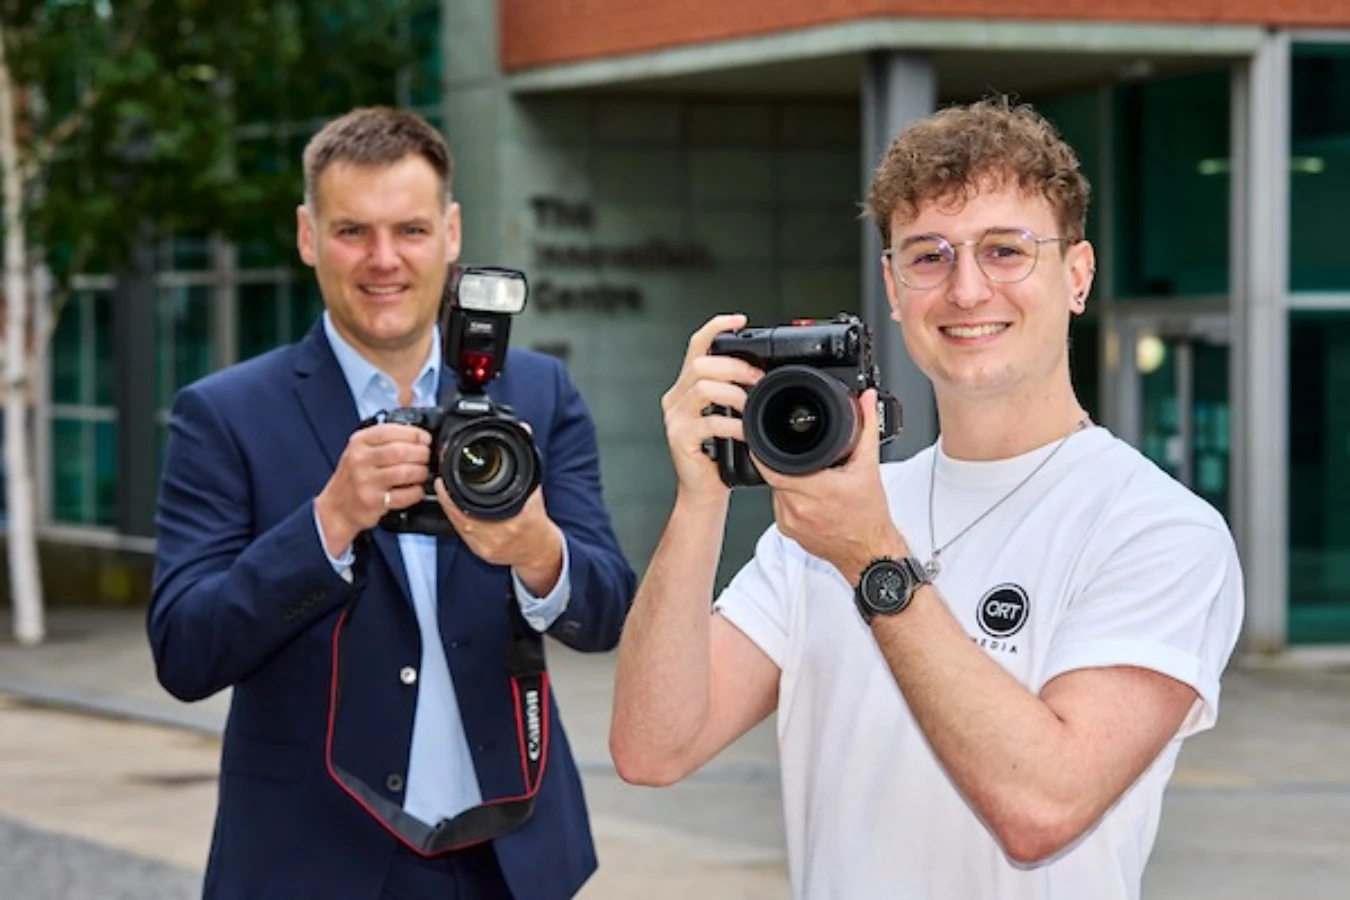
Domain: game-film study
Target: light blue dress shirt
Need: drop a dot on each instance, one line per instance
(441, 781)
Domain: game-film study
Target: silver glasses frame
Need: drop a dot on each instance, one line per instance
(949, 248)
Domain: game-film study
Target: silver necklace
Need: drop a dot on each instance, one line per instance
(932, 567)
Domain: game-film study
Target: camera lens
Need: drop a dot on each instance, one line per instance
(794, 420)
(490, 465)
(484, 464)
(799, 420)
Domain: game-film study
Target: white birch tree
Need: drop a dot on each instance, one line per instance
(25, 583)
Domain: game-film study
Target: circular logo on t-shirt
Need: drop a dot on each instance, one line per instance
(1003, 611)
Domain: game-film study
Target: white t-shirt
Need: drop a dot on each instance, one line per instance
(1100, 559)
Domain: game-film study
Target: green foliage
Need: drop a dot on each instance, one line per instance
(186, 116)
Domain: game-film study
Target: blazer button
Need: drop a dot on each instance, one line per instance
(407, 675)
(394, 783)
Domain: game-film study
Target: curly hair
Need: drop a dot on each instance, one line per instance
(375, 136)
(949, 156)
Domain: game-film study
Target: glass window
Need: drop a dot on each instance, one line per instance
(1319, 167)
(69, 455)
(84, 470)
(184, 340)
(260, 318)
(67, 352)
(306, 306)
(1211, 418)
(1085, 362)
(81, 350)
(104, 474)
(185, 252)
(273, 314)
(1319, 477)
(424, 81)
(1077, 116)
(101, 342)
(83, 419)
(1171, 192)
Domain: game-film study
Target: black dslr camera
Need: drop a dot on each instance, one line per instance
(803, 415)
(486, 457)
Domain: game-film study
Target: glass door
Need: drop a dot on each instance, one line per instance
(1173, 398)
(1319, 476)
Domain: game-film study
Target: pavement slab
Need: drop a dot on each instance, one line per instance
(101, 770)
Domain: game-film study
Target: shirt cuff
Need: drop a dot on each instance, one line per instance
(341, 564)
(541, 612)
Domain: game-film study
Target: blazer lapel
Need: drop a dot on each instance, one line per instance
(324, 395)
(327, 401)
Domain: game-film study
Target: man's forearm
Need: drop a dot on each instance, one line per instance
(662, 689)
(979, 720)
(1036, 779)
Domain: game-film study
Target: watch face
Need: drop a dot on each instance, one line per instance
(886, 588)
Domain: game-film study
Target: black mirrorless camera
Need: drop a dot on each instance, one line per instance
(485, 455)
(803, 415)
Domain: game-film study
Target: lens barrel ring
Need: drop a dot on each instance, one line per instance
(799, 420)
(490, 465)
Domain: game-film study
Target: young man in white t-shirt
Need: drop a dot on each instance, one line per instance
(984, 658)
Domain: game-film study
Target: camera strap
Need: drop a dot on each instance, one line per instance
(492, 818)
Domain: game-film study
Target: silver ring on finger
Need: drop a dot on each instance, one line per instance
(387, 500)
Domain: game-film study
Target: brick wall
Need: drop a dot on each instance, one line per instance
(540, 32)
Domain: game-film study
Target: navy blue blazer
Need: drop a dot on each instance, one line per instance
(244, 597)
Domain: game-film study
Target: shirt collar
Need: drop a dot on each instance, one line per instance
(373, 389)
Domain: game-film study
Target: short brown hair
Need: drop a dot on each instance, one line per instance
(375, 136)
(952, 154)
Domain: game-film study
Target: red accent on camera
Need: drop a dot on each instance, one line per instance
(479, 365)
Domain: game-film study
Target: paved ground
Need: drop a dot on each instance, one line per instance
(118, 804)
(107, 783)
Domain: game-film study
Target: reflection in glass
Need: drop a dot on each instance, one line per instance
(1319, 172)
(1185, 412)
(184, 343)
(70, 454)
(258, 326)
(104, 493)
(1172, 185)
(1319, 477)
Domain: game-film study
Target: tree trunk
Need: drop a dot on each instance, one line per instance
(25, 581)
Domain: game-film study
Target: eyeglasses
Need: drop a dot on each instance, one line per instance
(1004, 255)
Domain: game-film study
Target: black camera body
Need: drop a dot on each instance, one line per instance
(486, 457)
(803, 415)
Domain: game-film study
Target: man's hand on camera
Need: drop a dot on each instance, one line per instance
(705, 381)
(840, 514)
(384, 467)
(529, 542)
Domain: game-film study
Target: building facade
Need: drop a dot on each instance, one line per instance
(647, 168)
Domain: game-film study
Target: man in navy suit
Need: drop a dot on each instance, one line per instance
(379, 746)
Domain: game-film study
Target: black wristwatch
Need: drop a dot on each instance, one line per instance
(887, 585)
